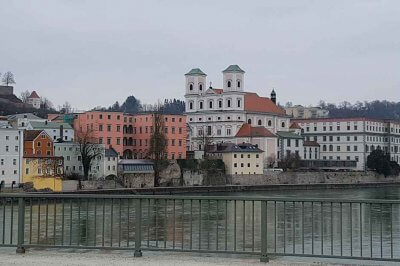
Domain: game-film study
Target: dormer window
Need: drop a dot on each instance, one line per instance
(238, 83)
(229, 83)
(191, 87)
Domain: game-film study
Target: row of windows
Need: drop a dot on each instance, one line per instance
(338, 148)
(235, 155)
(8, 137)
(243, 165)
(324, 128)
(211, 104)
(7, 148)
(14, 161)
(338, 158)
(3, 172)
(140, 142)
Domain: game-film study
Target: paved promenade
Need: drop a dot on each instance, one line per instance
(50, 257)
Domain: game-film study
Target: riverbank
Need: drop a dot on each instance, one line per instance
(65, 257)
(233, 188)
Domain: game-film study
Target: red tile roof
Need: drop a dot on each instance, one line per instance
(248, 131)
(255, 103)
(218, 91)
(294, 125)
(34, 95)
(30, 135)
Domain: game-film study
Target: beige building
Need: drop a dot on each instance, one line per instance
(301, 112)
(239, 159)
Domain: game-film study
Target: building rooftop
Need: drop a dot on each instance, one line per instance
(49, 125)
(24, 115)
(111, 153)
(294, 125)
(255, 103)
(232, 147)
(135, 166)
(30, 135)
(196, 72)
(249, 131)
(234, 69)
(34, 95)
(288, 135)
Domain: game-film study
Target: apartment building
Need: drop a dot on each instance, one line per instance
(103, 165)
(301, 112)
(352, 139)
(129, 135)
(103, 127)
(37, 142)
(56, 131)
(239, 159)
(21, 121)
(11, 152)
(137, 133)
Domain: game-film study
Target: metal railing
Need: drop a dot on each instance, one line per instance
(355, 229)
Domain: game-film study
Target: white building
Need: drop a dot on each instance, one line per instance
(11, 152)
(102, 166)
(301, 112)
(352, 138)
(57, 131)
(34, 100)
(220, 113)
(21, 121)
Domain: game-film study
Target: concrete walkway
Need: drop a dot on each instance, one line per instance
(61, 257)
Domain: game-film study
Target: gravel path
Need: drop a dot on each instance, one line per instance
(63, 257)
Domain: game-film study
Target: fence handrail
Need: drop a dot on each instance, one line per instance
(194, 197)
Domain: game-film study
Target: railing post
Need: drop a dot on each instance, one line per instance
(138, 228)
(21, 225)
(264, 241)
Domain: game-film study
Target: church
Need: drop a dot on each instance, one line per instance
(216, 115)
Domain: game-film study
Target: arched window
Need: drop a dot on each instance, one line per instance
(220, 103)
(269, 123)
(238, 83)
(191, 105)
(283, 124)
(210, 104)
(200, 86)
(330, 147)
(249, 121)
(228, 103)
(200, 105)
(259, 122)
(238, 102)
(229, 83)
(191, 87)
(324, 147)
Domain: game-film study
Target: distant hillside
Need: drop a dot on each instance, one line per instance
(375, 109)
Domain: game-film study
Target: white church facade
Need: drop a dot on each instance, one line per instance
(219, 114)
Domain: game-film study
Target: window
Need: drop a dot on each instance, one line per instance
(348, 148)
(200, 86)
(330, 147)
(228, 103)
(201, 105)
(288, 142)
(238, 102)
(228, 131)
(238, 83)
(324, 147)
(229, 83)
(283, 124)
(355, 148)
(259, 122)
(337, 148)
(234, 155)
(191, 87)
(210, 104)
(190, 105)
(249, 121)
(14, 161)
(297, 143)
(108, 128)
(235, 165)
(109, 116)
(269, 123)
(108, 141)
(219, 103)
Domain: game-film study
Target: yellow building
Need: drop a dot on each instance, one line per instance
(43, 172)
(239, 159)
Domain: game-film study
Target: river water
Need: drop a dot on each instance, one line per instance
(355, 230)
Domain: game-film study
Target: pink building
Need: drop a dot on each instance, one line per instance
(130, 135)
(106, 128)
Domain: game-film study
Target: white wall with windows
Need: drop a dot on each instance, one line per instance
(11, 152)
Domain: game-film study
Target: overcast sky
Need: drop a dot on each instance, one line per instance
(95, 52)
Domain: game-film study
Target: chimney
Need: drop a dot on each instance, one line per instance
(61, 132)
(273, 96)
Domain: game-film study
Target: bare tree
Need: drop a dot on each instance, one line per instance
(158, 144)
(66, 108)
(89, 150)
(8, 78)
(271, 161)
(206, 140)
(24, 96)
(45, 103)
